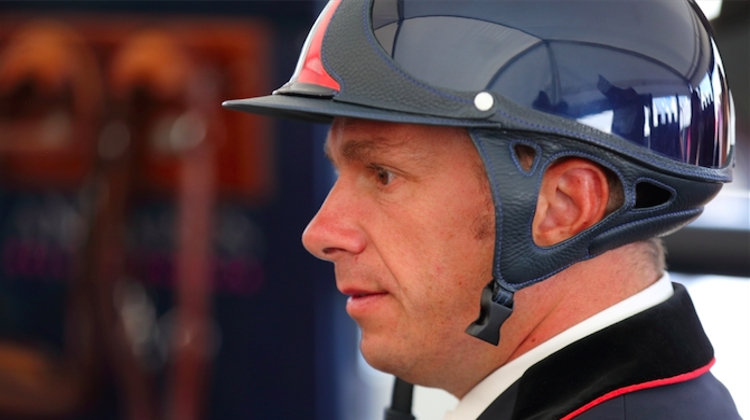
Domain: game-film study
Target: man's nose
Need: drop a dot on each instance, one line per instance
(335, 231)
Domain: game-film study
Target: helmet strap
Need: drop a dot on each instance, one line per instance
(492, 313)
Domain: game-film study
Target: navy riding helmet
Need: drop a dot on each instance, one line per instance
(636, 86)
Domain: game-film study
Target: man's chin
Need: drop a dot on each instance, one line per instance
(383, 357)
(398, 359)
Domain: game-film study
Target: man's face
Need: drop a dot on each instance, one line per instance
(409, 226)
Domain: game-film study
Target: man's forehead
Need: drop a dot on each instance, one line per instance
(357, 139)
(354, 139)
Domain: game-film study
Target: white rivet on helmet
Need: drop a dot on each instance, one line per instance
(484, 101)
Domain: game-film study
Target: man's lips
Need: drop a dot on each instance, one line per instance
(367, 294)
(359, 293)
(362, 302)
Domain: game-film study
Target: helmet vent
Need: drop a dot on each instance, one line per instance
(525, 156)
(649, 195)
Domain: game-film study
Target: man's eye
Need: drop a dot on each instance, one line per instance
(384, 176)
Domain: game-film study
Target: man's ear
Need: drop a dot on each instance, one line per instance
(573, 197)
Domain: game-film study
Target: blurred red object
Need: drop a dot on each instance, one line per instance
(130, 107)
(63, 80)
(50, 102)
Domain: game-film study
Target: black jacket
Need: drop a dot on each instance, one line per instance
(651, 366)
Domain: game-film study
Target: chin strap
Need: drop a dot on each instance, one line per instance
(496, 306)
(401, 401)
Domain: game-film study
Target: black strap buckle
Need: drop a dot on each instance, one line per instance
(492, 315)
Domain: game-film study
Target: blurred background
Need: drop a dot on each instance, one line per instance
(150, 256)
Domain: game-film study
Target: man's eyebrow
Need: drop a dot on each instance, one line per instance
(356, 150)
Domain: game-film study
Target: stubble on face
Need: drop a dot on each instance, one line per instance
(483, 226)
(429, 244)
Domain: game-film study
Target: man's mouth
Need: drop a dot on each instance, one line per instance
(361, 303)
(361, 295)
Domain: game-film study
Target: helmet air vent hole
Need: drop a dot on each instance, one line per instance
(648, 195)
(525, 156)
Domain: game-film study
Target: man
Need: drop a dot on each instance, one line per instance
(516, 161)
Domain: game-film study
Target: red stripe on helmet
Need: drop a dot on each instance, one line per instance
(310, 65)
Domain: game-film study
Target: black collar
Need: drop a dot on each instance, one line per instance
(647, 349)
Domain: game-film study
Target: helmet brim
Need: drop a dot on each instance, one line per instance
(323, 110)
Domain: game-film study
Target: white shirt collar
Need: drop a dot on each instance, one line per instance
(484, 393)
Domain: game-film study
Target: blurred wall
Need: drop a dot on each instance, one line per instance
(151, 260)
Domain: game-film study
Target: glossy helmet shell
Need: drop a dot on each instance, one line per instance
(637, 86)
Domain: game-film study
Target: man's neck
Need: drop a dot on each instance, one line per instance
(577, 293)
(486, 391)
